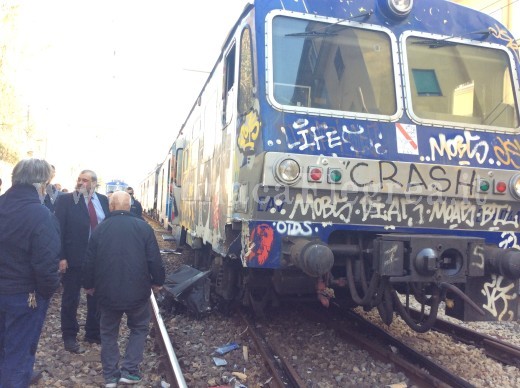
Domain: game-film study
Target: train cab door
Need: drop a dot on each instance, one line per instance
(176, 190)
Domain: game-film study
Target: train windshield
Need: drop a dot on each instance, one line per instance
(333, 67)
(460, 83)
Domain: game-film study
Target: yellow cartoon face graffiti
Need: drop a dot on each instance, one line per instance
(249, 131)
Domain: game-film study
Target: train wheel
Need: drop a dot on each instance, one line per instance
(225, 278)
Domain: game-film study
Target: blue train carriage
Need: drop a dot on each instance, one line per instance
(354, 151)
(115, 185)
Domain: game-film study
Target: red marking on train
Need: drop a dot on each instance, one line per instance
(406, 135)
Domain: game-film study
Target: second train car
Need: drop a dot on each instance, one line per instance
(355, 151)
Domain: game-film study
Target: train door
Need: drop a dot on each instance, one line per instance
(175, 190)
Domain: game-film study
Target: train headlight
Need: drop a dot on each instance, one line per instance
(401, 7)
(288, 171)
(397, 8)
(515, 186)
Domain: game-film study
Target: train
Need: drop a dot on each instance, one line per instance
(355, 153)
(115, 185)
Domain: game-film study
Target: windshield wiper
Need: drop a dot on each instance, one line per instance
(435, 43)
(312, 34)
(325, 31)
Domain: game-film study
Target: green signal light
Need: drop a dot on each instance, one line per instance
(335, 176)
(484, 185)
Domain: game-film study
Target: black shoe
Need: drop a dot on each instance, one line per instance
(93, 340)
(71, 345)
(35, 377)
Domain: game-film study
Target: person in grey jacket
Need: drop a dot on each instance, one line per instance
(123, 263)
(29, 256)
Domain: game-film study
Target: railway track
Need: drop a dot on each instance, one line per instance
(282, 372)
(169, 363)
(385, 347)
(494, 348)
(363, 334)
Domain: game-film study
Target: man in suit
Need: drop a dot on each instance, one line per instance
(79, 213)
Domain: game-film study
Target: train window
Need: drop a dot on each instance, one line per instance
(229, 81)
(461, 83)
(332, 66)
(246, 80)
(230, 69)
(178, 167)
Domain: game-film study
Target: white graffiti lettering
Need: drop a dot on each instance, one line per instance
(393, 210)
(294, 228)
(390, 255)
(509, 240)
(459, 147)
(495, 292)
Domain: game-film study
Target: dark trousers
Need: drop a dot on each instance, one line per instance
(20, 329)
(71, 281)
(138, 320)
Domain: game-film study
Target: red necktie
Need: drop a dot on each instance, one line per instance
(93, 216)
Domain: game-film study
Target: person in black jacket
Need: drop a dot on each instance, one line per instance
(122, 265)
(29, 256)
(135, 205)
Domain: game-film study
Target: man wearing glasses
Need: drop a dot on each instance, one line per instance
(135, 205)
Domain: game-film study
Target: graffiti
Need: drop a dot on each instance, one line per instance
(390, 255)
(294, 228)
(509, 240)
(504, 35)
(249, 132)
(265, 204)
(322, 137)
(495, 292)
(460, 147)
(260, 244)
(508, 152)
(402, 210)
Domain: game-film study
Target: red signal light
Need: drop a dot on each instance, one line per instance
(501, 187)
(315, 174)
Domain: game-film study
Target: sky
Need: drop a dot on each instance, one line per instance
(110, 82)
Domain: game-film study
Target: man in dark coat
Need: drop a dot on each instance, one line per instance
(29, 256)
(79, 213)
(123, 264)
(135, 205)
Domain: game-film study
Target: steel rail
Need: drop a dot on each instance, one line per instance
(172, 368)
(499, 350)
(363, 333)
(283, 374)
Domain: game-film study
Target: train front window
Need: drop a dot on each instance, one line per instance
(461, 83)
(333, 67)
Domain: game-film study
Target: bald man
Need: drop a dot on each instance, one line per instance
(123, 263)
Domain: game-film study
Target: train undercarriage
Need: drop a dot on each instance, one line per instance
(388, 272)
